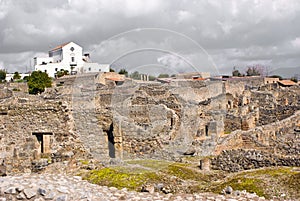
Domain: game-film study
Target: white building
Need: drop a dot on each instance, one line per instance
(9, 76)
(68, 57)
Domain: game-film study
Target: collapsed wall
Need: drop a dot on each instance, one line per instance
(275, 144)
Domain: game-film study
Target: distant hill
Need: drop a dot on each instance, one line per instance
(286, 72)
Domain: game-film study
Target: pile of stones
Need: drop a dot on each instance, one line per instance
(238, 160)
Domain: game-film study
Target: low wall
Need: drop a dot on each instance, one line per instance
(238, 160)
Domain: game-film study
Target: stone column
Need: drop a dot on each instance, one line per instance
(205, 164)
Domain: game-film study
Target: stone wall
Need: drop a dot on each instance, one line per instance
(262, 136)
(84, 118)
(239, 160)
(35, 128)
(161, 121)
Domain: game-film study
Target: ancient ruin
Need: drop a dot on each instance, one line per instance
(95, 116)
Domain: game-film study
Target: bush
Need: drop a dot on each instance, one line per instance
(2, 75)
(17, 76)
(38, 81)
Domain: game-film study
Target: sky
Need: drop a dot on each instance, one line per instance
(158, 36)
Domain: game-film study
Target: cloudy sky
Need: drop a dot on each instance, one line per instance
(163, 35)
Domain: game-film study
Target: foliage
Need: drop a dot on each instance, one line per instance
(16, 76)
(135, 75)
(236, 73)
(123, 72)
(252, 71)
(26, 78)
(38, 81)
(294, 79)
(62, 72)
(163, 75)
(111, 70)
(152, 78)
(276, 76)
(2, 75)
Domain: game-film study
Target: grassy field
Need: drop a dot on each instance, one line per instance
(187, 178)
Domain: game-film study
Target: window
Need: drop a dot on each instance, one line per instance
(56, 69)
(99, 70)
(73, 59)
(90, 69)
(72, 49)
(45, 71)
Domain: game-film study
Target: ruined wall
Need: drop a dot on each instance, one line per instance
(278, 139)
(161, 121)
(33, 128)
(239, 160)
(84, 118)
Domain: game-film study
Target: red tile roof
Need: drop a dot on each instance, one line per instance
(60, 46)
(287, 82)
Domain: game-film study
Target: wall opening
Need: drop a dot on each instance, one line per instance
(111, 142)
(43, 139)
(3, 112)
(206, 130)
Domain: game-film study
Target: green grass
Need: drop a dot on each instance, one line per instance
(152, 164)
(251, 185)
(265, 182)
(120, 179)
(273, 172)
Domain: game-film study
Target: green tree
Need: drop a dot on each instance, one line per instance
(16, 76)
(253, 71)
(152, 78)
(62, 72)
(111, 70)
(236, 73)
(294, 79)
(38, 81)
(135, 75)
(123, 72)
(2, 75)
(163, 75)
(276, 76)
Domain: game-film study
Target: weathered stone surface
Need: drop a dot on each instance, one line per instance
(228, 190)
(29, 193)
(42, 191)
(10, 190)
(50, 195)
(62, 198)
(21, 196)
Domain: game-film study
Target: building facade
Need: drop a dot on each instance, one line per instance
(68, 57)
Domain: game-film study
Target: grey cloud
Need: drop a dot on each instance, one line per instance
(232, 32)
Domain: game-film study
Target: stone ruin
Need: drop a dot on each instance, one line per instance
(90, 117)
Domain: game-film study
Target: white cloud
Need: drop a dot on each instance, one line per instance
(296, 42)
(184, 15)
